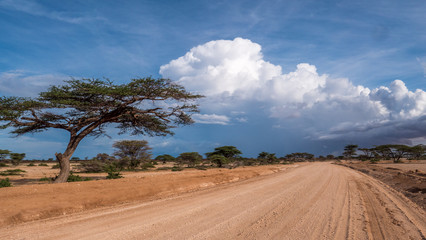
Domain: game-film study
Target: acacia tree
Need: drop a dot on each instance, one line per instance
(85, 107)
(350, 150)
(132, 152)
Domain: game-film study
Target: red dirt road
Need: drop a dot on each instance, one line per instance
(312, 201)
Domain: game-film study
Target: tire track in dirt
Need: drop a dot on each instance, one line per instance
(312, 201)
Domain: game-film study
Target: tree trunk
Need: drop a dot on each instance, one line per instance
(64, 163)
(64, 159)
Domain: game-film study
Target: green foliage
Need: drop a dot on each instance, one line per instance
(56, 166)
(132, 152)
(165, 158)
(147, 165)
(43, 164)
(299, 157)
(86, 106)
(176, 168)
(3, 164)
(226, 151)
(267, 158)
(350, 150)
(31, 165)
(16, 158)
(76, 178)
(10, 172)
(3, 154)
(219, 160)
(5, 183)
(113, 171)
(46, 179)
(189, 158)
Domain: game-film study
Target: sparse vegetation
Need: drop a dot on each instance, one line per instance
(76, 178)
(43, 165)
(31, 165)
(5, 183)
(11, 172)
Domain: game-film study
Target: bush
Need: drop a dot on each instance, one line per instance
(5, 183)
(373, 161)
(145, 166)
(113, 171)
(176, 168)
(10, 172)
(76, 178)
(164, 168)
(31, 165)
(43, 164)
(46, 179)
(93, 166)
(56, 166)
(3, 165)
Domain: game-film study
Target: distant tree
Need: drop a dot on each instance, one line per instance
(299, 157)
(350, 151)
(226, 151)
(165, 158)
(85, 107)
(16, 158)
(330, 156)
(99, 163)
(417, 152)
(132, 152)
(267, 158)
(367, 153)
(219, 160)
(3, 154)
(190, 158)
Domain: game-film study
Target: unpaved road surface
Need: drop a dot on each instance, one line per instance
(312, 201)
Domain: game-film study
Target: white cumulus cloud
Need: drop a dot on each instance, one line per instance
(235, 77)
(211, 119)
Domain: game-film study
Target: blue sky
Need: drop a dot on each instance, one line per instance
(279, 76)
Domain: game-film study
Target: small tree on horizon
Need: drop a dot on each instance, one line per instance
(350, 150)
(132, 152)
(86, 107)
(16, 158)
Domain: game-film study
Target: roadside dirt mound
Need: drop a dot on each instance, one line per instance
(412, 183)
(32, 202)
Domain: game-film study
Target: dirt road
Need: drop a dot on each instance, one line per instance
(313, 201)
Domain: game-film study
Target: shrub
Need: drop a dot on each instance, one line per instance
(5, 183)
(93, 166)
(56, 166)
(43, 164)
(10, 172)
(31, 165)
(46, 179)
(3, 165)
(145, 166)
(76, 178)
(113, 171)
(176, 168)
(163, 168)
(373, 161)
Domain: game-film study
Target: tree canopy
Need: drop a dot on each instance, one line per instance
(86, 107)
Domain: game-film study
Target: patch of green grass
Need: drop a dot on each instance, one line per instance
(46, 179)
(10, 172)
(43, 165)
(5, 183)
(77, 178)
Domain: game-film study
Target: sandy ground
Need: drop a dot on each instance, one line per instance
(308, 201)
